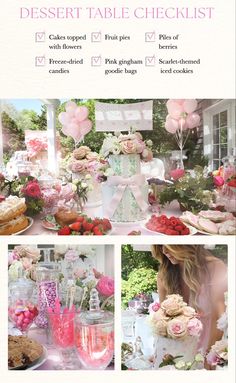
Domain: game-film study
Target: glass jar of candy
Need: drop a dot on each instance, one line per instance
(47, 279)
(22, 308)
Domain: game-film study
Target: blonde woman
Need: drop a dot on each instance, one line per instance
(193, 272)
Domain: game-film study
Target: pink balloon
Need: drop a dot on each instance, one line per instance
(190, 105)
(85, 127)
(64, 118)
(182, 121)
(174, 109)
(193, 120)
(171, 125)
(71, 107)
(81, 113)
(179, 101)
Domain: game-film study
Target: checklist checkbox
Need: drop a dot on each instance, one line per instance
(96, 61)
(40, 61)
(150, 37)
(40, 37)
(96, 37)
(150, 60)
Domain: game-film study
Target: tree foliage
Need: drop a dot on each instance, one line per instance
(132, 259)
(142, 280)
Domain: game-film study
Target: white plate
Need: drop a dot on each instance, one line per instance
(192, 230)
(31, 221)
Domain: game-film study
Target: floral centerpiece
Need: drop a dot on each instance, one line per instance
(131, 143)
(193, 191)
(84, 161)
(36, 146)
(32, 193)
(23, 258)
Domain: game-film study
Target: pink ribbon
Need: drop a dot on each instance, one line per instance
(133, 183)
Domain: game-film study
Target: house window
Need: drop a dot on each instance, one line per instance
(220, 137)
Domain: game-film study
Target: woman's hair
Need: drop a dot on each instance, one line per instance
(194, 259)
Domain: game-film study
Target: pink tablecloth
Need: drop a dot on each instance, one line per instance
(118, 229)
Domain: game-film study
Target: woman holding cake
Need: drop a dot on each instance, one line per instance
(200, 278)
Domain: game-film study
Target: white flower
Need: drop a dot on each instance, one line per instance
(84, 185)
(88, 177)
(75, 182)
(199, 358)
(149, 143)
(14, 269)
(180, 365)
(108, 145)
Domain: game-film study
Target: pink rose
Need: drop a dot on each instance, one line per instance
(67, 192)
(218, 181)
(106, 286)
(212, 358)
(154, 307)
(81, 152)
(79, 273)
(194, 327)
(176, 328)
(177, 173)
(128, 147)
(173, 305)
(32, 189)
(78, 166)
(27, 263)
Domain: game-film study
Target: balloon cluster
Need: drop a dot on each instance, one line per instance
(75, 121)
(181, 115)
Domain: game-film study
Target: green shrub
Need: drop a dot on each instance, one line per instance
(141, 280)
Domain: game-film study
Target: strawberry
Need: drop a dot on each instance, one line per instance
(106, 223)
(76, 226)
(80, 219)
(97, 230)
(64, 231)
(87, 226)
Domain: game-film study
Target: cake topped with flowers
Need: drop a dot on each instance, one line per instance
(125, 192)
(176, 328)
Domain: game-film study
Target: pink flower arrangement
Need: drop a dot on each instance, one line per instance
(131, 143)
(32, 189)
(105, 286)
(35, 146)
(177, 173)
(85, 161)
(218, 181)
(218, 354)
(154, 307)
(175, 319)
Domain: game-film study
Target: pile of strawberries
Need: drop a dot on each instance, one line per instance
(168, 226)
(87, 226)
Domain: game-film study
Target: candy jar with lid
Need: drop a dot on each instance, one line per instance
(94, 335)
(22, 308)
(47, 279)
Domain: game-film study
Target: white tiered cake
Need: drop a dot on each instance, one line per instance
(125, 194)
(176, 329)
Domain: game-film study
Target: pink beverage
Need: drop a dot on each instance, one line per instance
(95, 345)
(47, 294)
(22, 314)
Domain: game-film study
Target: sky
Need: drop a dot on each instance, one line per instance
(33, 104)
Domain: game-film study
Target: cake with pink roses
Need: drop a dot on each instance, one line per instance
(176, 329)
(125, 192)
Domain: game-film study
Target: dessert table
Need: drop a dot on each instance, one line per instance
(118, 228)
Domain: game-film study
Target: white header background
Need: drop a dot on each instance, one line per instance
(211, 40)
